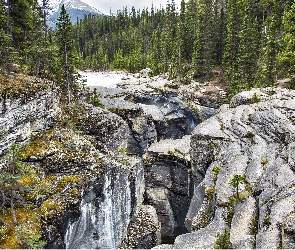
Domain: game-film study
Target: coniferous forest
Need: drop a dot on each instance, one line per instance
(247, 43)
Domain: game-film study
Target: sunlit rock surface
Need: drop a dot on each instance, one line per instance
(256, 142)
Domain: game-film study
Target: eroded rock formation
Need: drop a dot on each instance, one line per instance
(129, 176)
(255, 142)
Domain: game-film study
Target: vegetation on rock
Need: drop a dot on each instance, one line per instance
(19, 217)
(223, 240)
(236, 181)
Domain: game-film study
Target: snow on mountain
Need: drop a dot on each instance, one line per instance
(78, 4)
(71, 4)
(75, 8)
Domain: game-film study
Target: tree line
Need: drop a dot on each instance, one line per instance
(247, 43)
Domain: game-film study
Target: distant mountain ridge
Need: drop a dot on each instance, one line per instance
(75, 8)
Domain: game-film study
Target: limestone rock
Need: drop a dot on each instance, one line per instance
(256, 142)
(243, 219)
(257, 94)
(108, 128)
(163, 246)
(288, 239)
(23, 117)
(204, 238)
(144, 231)
(107, 208)
(145, 72)
(168, 185)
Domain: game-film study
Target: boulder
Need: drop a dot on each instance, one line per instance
(144, 231)
(111, 131)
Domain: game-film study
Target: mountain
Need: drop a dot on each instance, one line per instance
(75, 8)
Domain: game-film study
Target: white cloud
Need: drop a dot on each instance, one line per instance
(105, 5)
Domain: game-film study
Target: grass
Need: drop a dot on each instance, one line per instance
(21, 85)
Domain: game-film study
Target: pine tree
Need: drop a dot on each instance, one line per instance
(5, 39)
(189, 28)
(249, 45)
(64, 36)
(203, 45)
(218, 31)
(154, 55)
(231, 43)
(286, 57)
(12, 172)
(242, 44)
(17, 184)
(181, 41)
(272, 25)
(22, 18)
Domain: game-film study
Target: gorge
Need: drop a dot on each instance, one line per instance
(152, 165)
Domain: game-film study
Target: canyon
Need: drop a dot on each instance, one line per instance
(152, 165)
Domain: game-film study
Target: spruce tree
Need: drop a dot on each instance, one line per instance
(190, 29)
(203, 45)
(64, 37)
(272, 25)
(249, 45)
(181, 41)
(242, 44)
(231, 41)
(5, 39)
(286, 57)
(22, 18)
(169, 42)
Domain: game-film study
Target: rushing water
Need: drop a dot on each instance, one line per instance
(104, 79)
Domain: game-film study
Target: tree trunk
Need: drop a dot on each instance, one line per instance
(12, 208)
(38, 62)
(67, 76)
(179, 63)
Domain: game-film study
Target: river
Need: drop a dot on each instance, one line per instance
(104, 79)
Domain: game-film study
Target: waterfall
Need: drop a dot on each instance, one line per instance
(104, 219)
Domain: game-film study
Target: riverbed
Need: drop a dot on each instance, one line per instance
(103, 79)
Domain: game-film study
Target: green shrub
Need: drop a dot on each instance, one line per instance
(264, 161)
(249, 135)
(248, 189)
(236, 181)
(255, 98)
(2, 132)
(223, 240)
(216, 170)
(254, 226)
(122, 151)
(266, 220)
(209, 191)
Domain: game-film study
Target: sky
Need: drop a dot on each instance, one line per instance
(105, 5)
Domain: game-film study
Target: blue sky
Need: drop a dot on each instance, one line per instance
(105, 5)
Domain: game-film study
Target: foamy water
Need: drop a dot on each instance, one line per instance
(104, 79)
